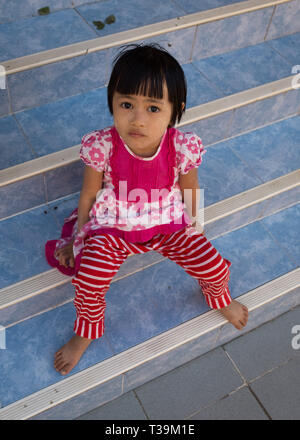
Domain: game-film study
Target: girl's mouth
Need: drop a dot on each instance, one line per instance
(136, 134)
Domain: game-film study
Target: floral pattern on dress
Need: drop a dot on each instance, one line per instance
(95, 148)
(189, 151)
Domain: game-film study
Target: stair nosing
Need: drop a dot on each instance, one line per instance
(108, 369)
(31, 61)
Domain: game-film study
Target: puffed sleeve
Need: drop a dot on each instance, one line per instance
(189, 150)
(95, 147)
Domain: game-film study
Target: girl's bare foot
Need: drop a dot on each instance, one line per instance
(69, 355)
(236, 313)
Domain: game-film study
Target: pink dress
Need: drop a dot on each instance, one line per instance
(140, 198)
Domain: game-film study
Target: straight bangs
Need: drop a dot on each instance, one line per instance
(141, 81)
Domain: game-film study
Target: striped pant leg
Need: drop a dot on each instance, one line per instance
(101, 259)
(198, 257)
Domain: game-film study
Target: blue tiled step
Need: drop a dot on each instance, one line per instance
(208, 79)
(10, 11)
(31, 344)
(57, 29)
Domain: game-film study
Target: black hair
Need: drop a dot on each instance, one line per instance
(142, 70)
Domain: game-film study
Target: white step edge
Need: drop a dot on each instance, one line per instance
(251, 197)
(91, 377)
(100, 43)
(30, 287)
(69, 155)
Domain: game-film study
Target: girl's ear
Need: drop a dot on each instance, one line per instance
(183, 106)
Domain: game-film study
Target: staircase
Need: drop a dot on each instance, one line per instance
(240, 60)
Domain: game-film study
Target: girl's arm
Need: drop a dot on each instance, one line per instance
(92, 183)
(189, 185)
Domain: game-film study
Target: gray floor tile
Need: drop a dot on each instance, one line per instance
(183, 391)
(279, 391)
(266, 346)
(126, 407)
(240, 405)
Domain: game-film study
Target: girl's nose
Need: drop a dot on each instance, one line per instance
(138, 117)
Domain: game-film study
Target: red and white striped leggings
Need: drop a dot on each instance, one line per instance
(103, 255)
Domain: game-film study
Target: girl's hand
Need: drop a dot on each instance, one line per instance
(65, 255)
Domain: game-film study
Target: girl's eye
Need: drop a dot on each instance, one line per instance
(126, 105)
(154, 109)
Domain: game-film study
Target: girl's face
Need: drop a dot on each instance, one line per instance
(141, 121)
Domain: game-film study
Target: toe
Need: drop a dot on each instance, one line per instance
(65, 370)
(58, 353)
(238, 325)
(59, 365)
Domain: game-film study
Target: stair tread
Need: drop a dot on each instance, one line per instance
(72, 25)
(9, 13)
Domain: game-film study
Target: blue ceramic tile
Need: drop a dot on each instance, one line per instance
(284, 227)
(244, 68)
(22, 195)
(283, 200)
(11, 11)
(42, 33)
(33, 88)
(206, 128)
(13, 146)
(62, 208)
(286, 20)
(4, 105)
(37, 304)
(168, 297)
(64, 180)
(270, 151)
(222, 174)
(265, 111)
(62, 124)
(24, 236)
(231, 33)
(132, 14)
(27, 362)
(234, 221)
(191, 6)
(255, 256)
(288, 47)
(200, 87)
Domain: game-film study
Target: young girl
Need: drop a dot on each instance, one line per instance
(141, 157)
